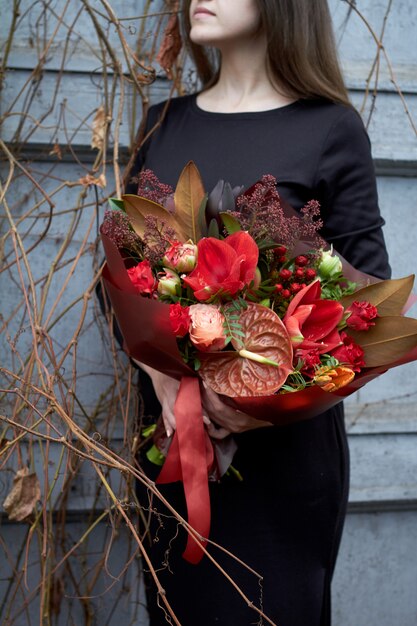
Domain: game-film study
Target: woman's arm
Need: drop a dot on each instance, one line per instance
(345, 183)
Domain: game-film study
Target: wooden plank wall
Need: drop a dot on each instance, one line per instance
(376, 575)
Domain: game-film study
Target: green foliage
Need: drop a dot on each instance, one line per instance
(213, 229)
(202, 216)
(232, 327)
(116, 204)
(337, 287)
(230, 223)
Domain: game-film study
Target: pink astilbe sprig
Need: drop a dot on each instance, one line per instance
(262, 215)
(116, 226)
(311, 223)
(157, 238)
(150, 187)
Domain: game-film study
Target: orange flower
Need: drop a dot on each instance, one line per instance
(333, 378)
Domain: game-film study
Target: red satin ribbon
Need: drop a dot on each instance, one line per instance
(189, 458)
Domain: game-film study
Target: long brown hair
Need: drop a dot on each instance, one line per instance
(301, 53)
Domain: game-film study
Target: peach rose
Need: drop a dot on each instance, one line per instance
(207, 331)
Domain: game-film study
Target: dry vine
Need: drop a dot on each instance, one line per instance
(68, 394)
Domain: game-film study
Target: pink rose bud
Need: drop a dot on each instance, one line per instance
(169, 283)
(181, 257)
(207, 327)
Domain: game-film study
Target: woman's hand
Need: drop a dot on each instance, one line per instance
(228, 419)
(166, 389)
(219, 418)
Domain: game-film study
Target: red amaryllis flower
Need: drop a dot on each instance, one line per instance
(142, 278)
(180, 319)
(361, 314)
(224, 267)
(311, 323)
(349, 353)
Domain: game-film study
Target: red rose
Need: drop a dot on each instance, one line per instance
(311, 322)
(142, 277)
(361, 314)
(349, 353)
(180, 319)
(224, 267)
(311, 360)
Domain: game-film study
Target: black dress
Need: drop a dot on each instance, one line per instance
(285, 518)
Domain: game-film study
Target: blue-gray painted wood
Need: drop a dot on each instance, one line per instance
(376, 575)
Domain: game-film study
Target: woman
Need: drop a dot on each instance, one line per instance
(277, 105)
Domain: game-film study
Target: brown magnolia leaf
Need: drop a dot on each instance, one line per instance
(23, 496)
(234, 375)
(137, 208)
(100, 123)
(188, 197)
(389, 340)
(389, 296)
(170, 46)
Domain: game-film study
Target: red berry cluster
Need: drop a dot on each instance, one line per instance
(291, 281)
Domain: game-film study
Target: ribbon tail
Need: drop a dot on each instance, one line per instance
(187, 460)
(171, 469)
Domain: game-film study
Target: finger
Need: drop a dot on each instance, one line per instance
(168, 418)
(216, 432)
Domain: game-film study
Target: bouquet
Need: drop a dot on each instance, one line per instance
(236, 291)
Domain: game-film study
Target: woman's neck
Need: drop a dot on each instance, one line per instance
(244, 84)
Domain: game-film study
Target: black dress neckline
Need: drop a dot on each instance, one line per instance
(240, 115)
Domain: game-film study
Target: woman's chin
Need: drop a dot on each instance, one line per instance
(203, 36)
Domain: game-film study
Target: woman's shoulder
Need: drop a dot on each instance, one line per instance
(332, 114)
(335, 128)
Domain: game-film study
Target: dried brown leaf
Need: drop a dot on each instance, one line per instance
(56, 594)
(170, 46)
(100, 123)
(88, 180)
(56, 150)
(22, 498)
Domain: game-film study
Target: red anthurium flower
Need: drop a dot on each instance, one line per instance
(224, 267)
(312, 322)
